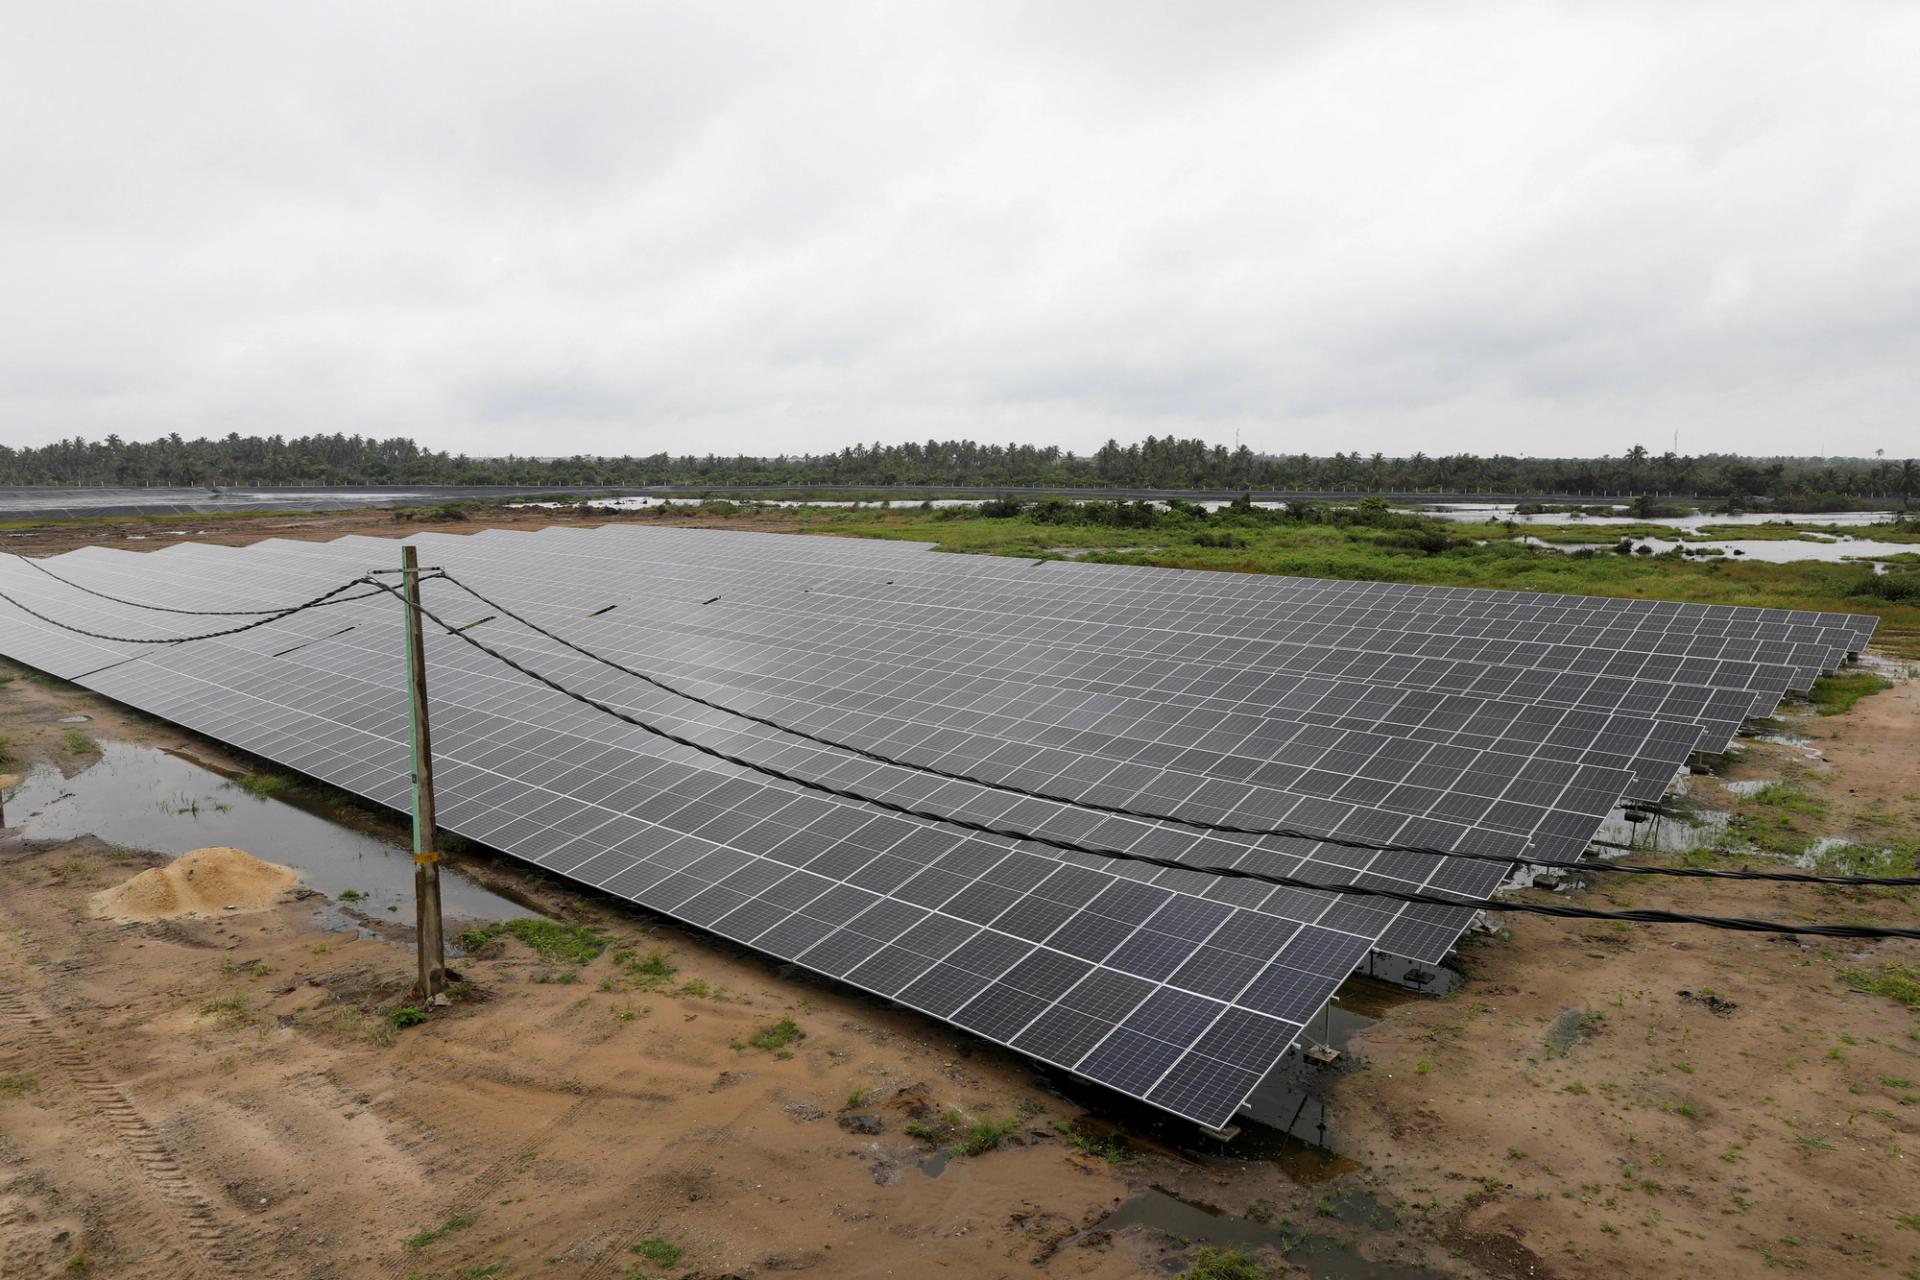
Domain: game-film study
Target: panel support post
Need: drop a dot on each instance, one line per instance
(432, 982)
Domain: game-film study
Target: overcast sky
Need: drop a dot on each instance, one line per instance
(626, 227)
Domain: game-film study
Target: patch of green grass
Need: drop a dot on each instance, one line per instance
(352, 895)
(1899, 982)
(231, 1010)
(658, 1251)
(16, 1083)
(1895, 857)
(78, 743)
(551, 940)
(649, 972)
(985, 1134)
(1225, 1264)
(262, 784)
(1832, 695)
(455, 1222)
(1786, 798)
(1911, 1221)
(406, 1015)
(1111, 1147)
(482, 1271)
(856, 1096)
(776, 1036)
(7, 756)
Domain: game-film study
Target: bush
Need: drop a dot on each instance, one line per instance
(1899, 588)
(407, 1016)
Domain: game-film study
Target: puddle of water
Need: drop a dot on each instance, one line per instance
(1481, 512)
(1325, 1257)
(936, 1164)
(1663, 832)
(145, 798)
(73, 719)
(1767, 551)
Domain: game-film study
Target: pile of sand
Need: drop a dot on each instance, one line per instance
(202, 882)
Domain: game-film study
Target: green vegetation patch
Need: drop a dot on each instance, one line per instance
(230, 1010)
(1225, 1264)
(984, 1134)
(1111, 1147)
(1900, 982)
(660, 1252)
(455, 1222)
(1833, 695)
(551, 940)
(262, 784)
(776, 1036)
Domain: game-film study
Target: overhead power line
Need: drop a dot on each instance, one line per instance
(1563, 911)
(1199, 824)
(162, 608)
(288, 612)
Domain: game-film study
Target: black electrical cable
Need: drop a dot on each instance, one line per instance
(1200, 824)
(314, 603)
(161, 608)
(1642, 916)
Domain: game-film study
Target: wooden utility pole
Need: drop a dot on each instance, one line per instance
(426, 855)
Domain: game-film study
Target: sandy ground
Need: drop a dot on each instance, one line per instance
(1673, 1138)
(227, 1096)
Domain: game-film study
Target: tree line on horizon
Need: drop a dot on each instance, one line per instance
(1158, 462)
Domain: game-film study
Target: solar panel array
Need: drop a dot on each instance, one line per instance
(1486, 721)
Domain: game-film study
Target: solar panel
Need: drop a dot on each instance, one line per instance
(1231, 698)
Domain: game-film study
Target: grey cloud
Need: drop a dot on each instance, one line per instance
(1386, 226)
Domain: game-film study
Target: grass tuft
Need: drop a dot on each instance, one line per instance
(660, 1252)
(551, 940)
(1225, 1264)
(455, 1222)
(776, 1036)
(1899, 982)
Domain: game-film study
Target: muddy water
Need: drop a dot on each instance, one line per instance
(145, 798)
(1325, 1257)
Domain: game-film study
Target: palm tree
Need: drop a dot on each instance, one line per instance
(1636, 458)
(1909, 481)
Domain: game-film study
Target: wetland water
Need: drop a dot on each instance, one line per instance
(149, 799)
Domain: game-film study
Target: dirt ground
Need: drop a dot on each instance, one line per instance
(1676, 1136)
(229, 1096)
